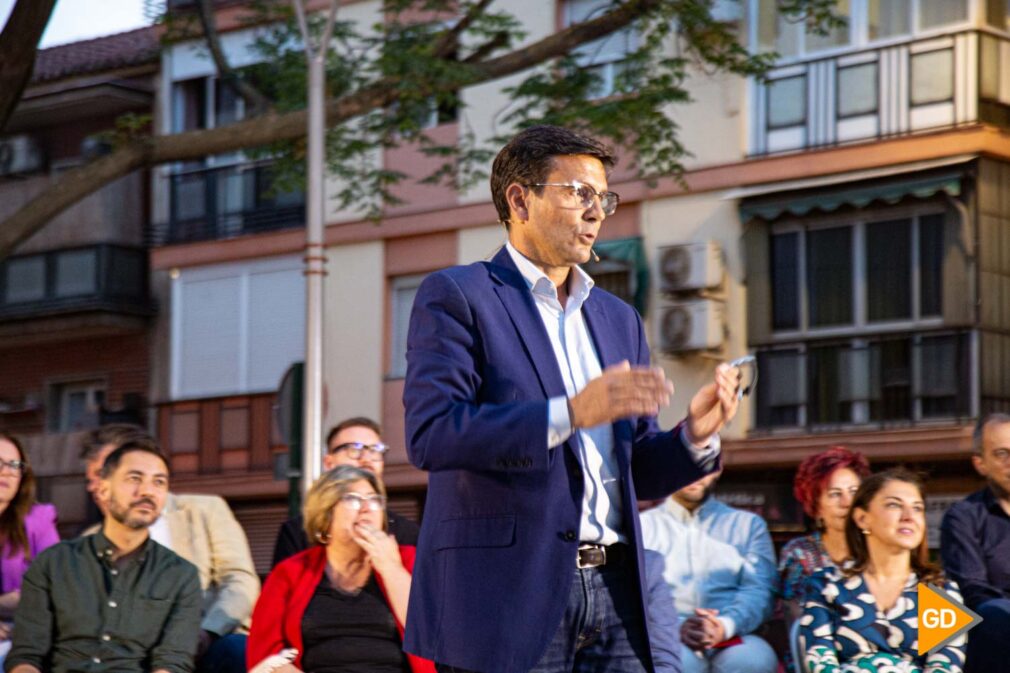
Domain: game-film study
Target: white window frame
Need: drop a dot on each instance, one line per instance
(397, 368)
(608, 66)
(242, 271)
(59, 395)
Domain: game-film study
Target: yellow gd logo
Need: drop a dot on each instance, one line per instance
(941, 618)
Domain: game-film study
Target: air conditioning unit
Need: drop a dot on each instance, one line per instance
(19, 154)
(692, 326)
(691, 267)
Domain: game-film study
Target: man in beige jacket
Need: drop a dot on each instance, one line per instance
(202, 530)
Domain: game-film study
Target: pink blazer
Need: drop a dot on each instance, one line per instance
(40, 524)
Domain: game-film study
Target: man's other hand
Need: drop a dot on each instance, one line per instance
(621, 391)
(714, 405)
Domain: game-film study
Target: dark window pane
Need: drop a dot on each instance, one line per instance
(931, 264)
(823, 363)
(189, 105)
(26, 279)
(785, 281)
(943, 381)
(894, 373)
(76, 273)
(829, 276)
(780, 389)
(889, 270)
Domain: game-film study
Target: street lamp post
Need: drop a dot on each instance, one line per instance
(315, 250)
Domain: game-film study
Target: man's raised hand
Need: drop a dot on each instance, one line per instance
(714, 405)
(621, 391)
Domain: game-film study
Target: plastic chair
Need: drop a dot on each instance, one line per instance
(795, 649)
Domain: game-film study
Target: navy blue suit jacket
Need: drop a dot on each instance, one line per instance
(496, 554)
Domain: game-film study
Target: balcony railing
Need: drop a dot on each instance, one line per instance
(227, 202)
(98, 277)
(891, 90)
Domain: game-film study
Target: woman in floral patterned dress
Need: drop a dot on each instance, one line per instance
(864, 616)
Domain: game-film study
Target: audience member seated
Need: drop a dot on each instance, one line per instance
(116, 600)
(975, 545)
(720, 569)
(202, 530)
(341, 604)
(864, 616)
(355, 441)
(26, 528)
(824, 485)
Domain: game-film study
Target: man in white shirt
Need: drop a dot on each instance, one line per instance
(720, 570)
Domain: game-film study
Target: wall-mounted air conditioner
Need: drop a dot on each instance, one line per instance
(691, 267)
(691, 326)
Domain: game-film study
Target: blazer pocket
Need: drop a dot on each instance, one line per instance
(489, 531)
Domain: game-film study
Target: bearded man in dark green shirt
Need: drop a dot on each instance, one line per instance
(115, 600)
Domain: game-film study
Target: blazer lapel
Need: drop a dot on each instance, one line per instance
(521, 308)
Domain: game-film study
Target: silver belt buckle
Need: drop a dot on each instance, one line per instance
(578, 556)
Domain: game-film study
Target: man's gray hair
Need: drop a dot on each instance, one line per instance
(976, 436)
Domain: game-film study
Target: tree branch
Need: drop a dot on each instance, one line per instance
(449, 39)
(257, 102)
(18, 46)
(72, 186)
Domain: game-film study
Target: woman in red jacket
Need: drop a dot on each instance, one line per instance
(341, 604)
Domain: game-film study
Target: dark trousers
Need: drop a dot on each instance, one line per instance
(988, 643)
(225, 655)
(602, 629)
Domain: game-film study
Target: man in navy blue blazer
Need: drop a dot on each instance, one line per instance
(530, 401)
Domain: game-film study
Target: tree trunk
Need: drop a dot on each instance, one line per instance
(18, 45)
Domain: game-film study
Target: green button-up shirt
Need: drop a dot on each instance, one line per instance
(82, 612)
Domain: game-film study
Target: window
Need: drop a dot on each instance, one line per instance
(787, 102)
(236, 328)
(857, 311)
(935, 13)
(776, 32)
(76, 406)
(604, 57)
(404, 290)
(932, 76)
(889, 18)
(895, 378)
(893, 258)
(838, 36)
(25, 279)
(857, 90)
(77, 273)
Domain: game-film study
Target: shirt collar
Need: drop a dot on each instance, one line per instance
(682, 514)
(105, 549)
(579, 282)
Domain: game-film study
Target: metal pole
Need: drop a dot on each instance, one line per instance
(315, 251)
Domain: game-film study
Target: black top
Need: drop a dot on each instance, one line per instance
(82, 611)
(291, 538)
(975, 545)
(351, 632)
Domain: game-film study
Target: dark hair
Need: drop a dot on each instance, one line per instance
(527, 160)
(110, 433)
(976, 436)
(355, 422)
(142, 443)
(12, 521)
(815, 471)
(858, 549)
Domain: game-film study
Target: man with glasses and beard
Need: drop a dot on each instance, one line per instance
(116, 600)
(357, 442)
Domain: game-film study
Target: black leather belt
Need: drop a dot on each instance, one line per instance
(596, 555)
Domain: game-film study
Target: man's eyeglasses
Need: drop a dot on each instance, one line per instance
(14, 465)
(370, 503)
(356, 449)
(586, 195)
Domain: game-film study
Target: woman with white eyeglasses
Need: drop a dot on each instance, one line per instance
(26, 528)
(339, 606)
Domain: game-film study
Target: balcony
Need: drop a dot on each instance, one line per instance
(227, 202)
(97, 278)
(897, 88)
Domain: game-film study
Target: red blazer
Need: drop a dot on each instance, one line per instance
(277, 618)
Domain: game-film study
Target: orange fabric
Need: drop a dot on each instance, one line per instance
(277, 618)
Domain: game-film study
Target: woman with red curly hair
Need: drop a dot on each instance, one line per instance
(824, 485)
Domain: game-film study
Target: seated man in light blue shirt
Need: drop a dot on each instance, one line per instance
(720, 569)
